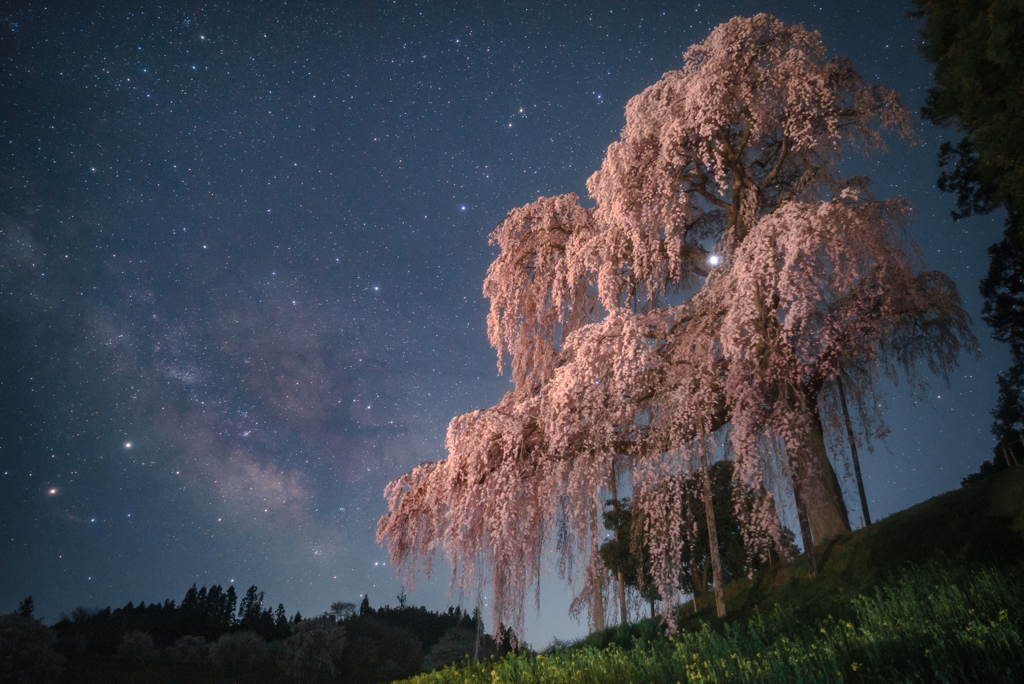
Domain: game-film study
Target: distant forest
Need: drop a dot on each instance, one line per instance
(213, 636)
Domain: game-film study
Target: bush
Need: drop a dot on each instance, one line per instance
(315, 651)
(135, 646)
(189, 649)
(455, 645)
(27, 652)
(378, 652)
(240, 650)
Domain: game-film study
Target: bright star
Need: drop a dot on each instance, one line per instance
(713, 259)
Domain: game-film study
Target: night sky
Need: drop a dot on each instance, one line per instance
(241, 257)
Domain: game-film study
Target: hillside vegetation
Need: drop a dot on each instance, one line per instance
(933, 593)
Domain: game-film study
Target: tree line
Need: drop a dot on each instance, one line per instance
(207, 613)
(211, 633)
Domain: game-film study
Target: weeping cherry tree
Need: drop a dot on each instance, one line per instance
(723, 278)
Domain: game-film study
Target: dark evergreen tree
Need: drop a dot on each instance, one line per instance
(249, 609)
(979, 86)
(227, 618)
(27, 607)
(1003, 289)
(280, 619)
(976, 48)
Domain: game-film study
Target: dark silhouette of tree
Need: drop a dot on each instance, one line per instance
(228, 613)
(281, 620)
(387, 643)
(364, 606)
(380, 652)
(249, 609)
(1003, 290)
(27, 650)
(342, 610)
(457, 644)
(315, 651)
(26, 607)
(979, 88)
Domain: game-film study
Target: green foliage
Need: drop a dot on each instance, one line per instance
(958, 615)
(1003, 290)
(315, 652)
(936, 623)
(155, 642)
(456, 645)
(27, 652)
(978, 525)
(979, 84)
(136, 646)
(977, 51)
(239, 651)
(619, 556)
(631, 556)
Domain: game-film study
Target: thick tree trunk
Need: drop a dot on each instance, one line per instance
(709, 512)
(820, 491)
(805, 527)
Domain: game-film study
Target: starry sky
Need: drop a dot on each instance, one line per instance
(241, 257)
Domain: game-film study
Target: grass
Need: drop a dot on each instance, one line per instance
(931, 594)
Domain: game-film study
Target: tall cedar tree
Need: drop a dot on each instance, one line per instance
(976, 48)
(628, 341)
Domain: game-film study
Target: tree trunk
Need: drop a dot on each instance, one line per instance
(709, 512)
(805, 527)
(479, 630)
(698, 577)
(1008, 455)
(623, 615)
(820, 492)
(597, 588)
(853, 450)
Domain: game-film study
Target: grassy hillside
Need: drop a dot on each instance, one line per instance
(932, 593)
(978, 525)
